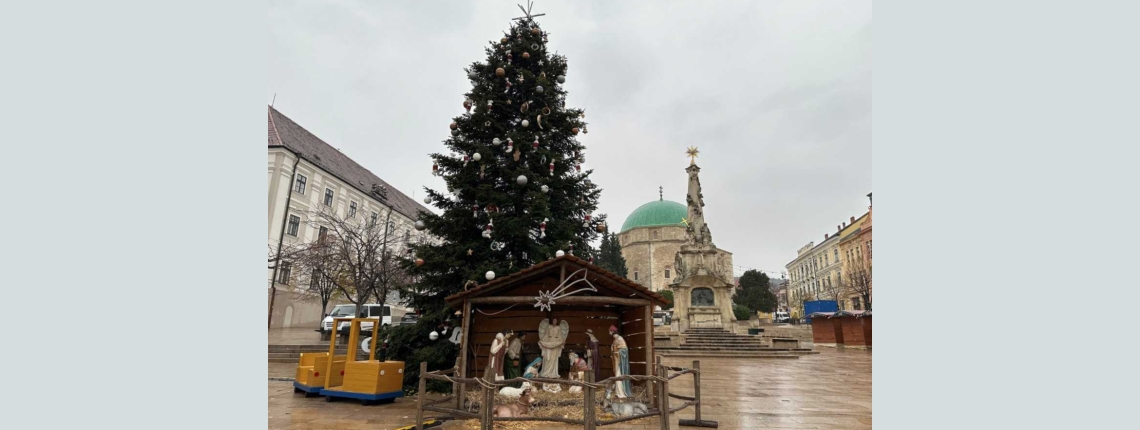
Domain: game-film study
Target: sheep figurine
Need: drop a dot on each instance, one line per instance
(515, 392)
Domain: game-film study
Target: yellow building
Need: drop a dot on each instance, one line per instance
(817, 270)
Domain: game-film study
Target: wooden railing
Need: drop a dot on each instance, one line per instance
(659, 397)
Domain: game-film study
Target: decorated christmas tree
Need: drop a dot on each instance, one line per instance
(517, 192)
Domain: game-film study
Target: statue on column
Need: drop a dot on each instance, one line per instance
(552, 337)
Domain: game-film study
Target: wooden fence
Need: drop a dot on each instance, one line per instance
(659, 396)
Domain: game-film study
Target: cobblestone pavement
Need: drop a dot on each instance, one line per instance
(831, 390)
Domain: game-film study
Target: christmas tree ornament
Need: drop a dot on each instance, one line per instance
(535, 31)
(538, 89)
(435, 169)
(561, 79)
(559, 253)
(551, 168)
(464, 161)
(578, 168)
(520, 78)
(490, 275)
(487, 230)
(540, 122)
(477, 157)
(427, 200)
(470, 251)
(591, 260)
(524, 107)
(574, 131)
(508, 88)
(496, 141)
(542, 228)
(534, 46)
(542, 76)
(588, 182)
(454, 132)
(526, 55)
(601, 227)
(546, 110)
(420, 225)
(521, 180)
(472, 75)
(467, 105)
(490, 103)
(487, 124)
(545, 189)
(419, 262)
(571, 251)
(503, 41)
(481, 171)
(510, 145)
(525, 123)
(434, 335)
(500, 72)
(516, 155)
(454, 126)
(535, 144)
(475, 211)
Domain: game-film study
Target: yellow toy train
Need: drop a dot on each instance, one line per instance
(370, 381)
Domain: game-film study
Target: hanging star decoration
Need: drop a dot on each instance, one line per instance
(527, 12)
(684, 221)
(692, 152)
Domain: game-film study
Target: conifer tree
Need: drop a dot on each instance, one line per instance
(516, 189)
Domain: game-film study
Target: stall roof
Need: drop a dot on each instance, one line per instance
(608, 280)
(856, 314)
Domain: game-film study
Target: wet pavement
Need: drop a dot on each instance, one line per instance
(831, 390)
(296, 336)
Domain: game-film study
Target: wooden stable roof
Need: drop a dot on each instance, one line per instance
(616, 285)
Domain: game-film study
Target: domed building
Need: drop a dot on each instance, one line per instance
(650, 238)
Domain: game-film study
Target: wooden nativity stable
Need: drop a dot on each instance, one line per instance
(605, 300)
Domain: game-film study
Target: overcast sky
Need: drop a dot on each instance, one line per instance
(776, 94)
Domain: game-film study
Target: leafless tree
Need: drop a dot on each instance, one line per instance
(857, 280)
(357, 257)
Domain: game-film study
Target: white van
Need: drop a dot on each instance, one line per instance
(383, 312)
(782, 317)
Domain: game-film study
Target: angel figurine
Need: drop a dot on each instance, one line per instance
(552, 337)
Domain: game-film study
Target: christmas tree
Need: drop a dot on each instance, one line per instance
(609, 255)
(516, 190)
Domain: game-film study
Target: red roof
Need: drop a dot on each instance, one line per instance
(553, 264)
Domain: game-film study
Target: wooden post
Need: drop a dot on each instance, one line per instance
(663, 396)
(461, 395)
(488, 405)
(588, 414)
(421, 394)
(648, 346)
(697, 386)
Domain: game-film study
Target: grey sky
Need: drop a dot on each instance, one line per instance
(776, 94)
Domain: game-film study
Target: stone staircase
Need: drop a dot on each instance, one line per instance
(292, 353)
(717, 342)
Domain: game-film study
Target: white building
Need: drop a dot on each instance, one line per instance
(305, 173)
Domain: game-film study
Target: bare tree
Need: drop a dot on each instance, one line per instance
(857, 280)
(356, 256)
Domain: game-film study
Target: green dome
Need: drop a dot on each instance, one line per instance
(657, 213)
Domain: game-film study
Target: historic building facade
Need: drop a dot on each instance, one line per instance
(650, 238)
(816, 272)
(306, 174)
(855, 250)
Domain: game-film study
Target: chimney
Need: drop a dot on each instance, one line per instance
(844, 225)
(853, 220)
(825, 236)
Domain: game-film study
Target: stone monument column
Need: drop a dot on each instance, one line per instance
(702, 290)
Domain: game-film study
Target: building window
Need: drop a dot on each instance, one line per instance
(666, 273)
(374, 217)
(836, 255)
(654, 234)
(352, 209)
(635, 274)
(294, 225)
(283, 273)
(300, 187)
(323, 233)
(328, 196)
(855, 303)
(868, 249)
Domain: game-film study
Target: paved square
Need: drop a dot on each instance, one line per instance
(831, 390)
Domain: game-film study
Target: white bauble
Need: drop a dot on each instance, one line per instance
(496, 142)
(559, 253)
(538, 89)
(472, 75)
(490, 275)
(521, 180)
(526, 123)
(427, 200)
(434, 335)
(545, 189)
(476, 157)
(419, 225)
(561, 79)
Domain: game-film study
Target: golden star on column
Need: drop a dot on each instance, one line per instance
(692, 152)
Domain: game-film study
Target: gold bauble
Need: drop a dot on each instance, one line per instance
(500, 72)
(535, 31)
(526, 55)
(574, 131)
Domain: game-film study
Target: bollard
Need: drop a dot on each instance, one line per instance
(422, 393)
